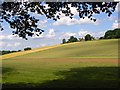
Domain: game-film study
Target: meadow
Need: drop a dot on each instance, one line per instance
(76, 65)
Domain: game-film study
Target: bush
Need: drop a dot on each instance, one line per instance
(28, 48)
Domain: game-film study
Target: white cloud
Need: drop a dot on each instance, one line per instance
(64, 20)
(8, 44)
(46, 6)
(15, 44)
(9, 37)
(35, 14)
(42, 45)
(117, 9)
(68, 34)
(82, 33)
(73, 10)
(2, 44)
(51, 33)
(111, 18)
(2, 37)
(40, 35)
(68, 21)
(116, 25)
(42, 24)
(100, 34)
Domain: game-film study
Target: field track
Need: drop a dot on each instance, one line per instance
(79, 60)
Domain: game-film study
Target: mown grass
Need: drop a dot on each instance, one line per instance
(59, 67)
(46, 73)
(89, 49)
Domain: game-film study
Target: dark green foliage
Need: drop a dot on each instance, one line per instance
(8, 51)
(112, 34)
(28, 48)
(81, 39)
(83, 78)
(19, 50)
(72, 39)
(63, 41)
(18, 16)
(101, 38)
(88, 37)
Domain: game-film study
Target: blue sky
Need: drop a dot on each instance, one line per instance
(55, 31)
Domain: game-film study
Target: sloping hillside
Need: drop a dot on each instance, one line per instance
(81, 64)
(88, 49)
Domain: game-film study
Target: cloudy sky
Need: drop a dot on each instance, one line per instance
(55, 31)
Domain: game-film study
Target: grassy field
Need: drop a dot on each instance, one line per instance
(83, 64)
(90, 49)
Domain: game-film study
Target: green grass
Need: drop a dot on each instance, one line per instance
(59, 67)
(89, 49)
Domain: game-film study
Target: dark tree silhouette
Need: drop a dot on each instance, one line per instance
(64, 41)
(72, 39)
(112, 34)
(88, 37)
(19, 19)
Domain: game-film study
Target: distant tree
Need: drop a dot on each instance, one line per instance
(111, 34)
(117, 32)
(101, 38)
(81, 39)
(19, 50)
(7, 52)
(64, 41)
(72, 39)
(28, 48)
(13, 51)
(0, 52)
(88, 37)
(92, 38)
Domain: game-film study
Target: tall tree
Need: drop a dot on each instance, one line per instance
(72, 39)
(111, 34)
(64, 41)
(18, 17)
(88, 37)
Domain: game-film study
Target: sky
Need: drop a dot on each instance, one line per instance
(55, 31)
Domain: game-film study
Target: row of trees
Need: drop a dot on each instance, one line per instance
(112, 34)
(88, 37)
(8, 51)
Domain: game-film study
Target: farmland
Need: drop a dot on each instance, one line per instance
(81, 64)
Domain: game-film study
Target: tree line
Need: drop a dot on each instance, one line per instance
(88, 37)
(8, 51)
(110, 34)
(2, 52)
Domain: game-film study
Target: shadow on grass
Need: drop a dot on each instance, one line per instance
(90, 77)
(7, 70)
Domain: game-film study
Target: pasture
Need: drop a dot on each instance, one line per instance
(81, 64)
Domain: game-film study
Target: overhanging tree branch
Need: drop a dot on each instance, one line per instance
(18, 17)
